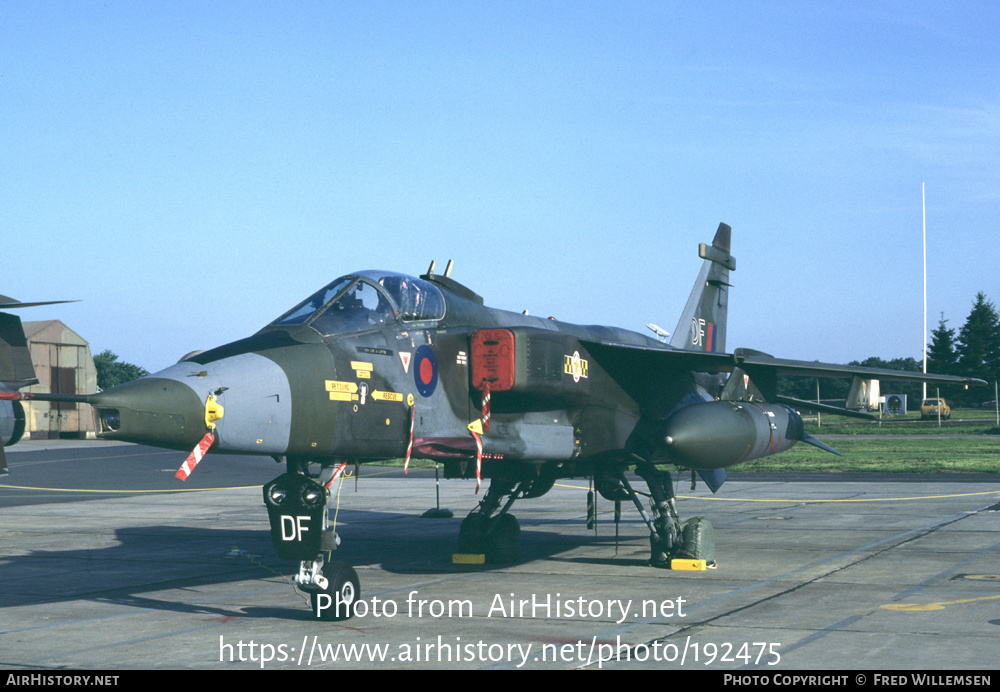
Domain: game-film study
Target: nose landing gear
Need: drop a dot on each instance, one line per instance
(297, 509)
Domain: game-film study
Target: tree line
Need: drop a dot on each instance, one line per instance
(111, 371)
(974, 351)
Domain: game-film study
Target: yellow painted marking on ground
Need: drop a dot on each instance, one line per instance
(561, 485)
(921, 607)
(102, 457)
(872, 499)
(367, 474)
(88, 490)
(803, 502)
(370, 474)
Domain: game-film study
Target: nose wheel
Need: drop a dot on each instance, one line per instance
(336, 601)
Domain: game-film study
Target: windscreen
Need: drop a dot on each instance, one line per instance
(370, 300)
(347, 305)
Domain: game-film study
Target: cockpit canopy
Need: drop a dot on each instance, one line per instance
(366, 300)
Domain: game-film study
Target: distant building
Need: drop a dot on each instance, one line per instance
(64, 365)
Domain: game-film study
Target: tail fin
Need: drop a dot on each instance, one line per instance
(16, 369)
(702, 326)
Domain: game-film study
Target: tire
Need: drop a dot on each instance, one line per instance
(470, 535)
(338, 600)
(504, 542)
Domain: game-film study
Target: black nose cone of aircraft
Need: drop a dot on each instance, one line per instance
(151, 410)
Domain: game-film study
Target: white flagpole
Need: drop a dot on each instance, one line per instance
(923, 196)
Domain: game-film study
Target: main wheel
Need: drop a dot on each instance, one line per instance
(504, 542)
(470, 535)
(663, 544)
(337, 601)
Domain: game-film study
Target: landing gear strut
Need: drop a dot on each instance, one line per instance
(297, 508)
(664, 526)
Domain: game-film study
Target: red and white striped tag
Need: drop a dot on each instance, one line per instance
(485, 389)
(337, 474)
(479, 460)
(409, 447)
(188, 466)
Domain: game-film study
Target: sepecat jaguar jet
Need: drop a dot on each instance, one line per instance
(379, 365)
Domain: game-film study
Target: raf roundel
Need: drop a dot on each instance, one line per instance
(425, 371)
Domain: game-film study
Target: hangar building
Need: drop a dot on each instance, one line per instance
(64, 365)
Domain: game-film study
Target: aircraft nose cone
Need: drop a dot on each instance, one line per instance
(151, 410)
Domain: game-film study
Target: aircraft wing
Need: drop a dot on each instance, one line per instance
(638, 367)
(621, 356)
(781, 366)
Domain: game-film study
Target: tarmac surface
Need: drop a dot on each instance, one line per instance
(107, 562)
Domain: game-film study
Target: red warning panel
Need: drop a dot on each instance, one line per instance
(493, 358)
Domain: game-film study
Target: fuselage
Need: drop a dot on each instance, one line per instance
(347, 373)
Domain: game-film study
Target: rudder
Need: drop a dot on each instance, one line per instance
(702, 326)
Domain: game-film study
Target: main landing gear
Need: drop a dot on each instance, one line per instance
(668, 538)
(489, 530)
(297, 508)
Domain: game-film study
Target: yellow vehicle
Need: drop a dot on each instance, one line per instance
(929, 409)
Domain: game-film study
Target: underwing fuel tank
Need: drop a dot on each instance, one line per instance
(717, 434)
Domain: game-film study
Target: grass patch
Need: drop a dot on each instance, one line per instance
(900, 454)
(963, 422)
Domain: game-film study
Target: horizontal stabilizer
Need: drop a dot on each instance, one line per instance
(47, 396)
(809, 439)
(824, 408)
(11, 304)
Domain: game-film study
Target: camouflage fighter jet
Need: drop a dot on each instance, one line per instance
(379, 365)
(16, 371)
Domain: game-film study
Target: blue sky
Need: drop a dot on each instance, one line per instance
(190, 170)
